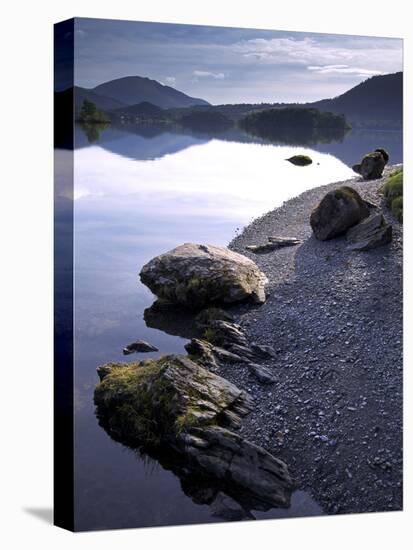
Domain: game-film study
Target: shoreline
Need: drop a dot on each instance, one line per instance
(334, 317)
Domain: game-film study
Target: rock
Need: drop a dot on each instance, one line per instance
(196, 275)
(208, 355)
(300, 160)
(224, 333)
(140, 346)
(203, 352)
(225, 356)
(274, 243)
(262, 350)
(263, 374)
(369, 233)
(210, 314)
(284, 241)
(339, 210)
(227, 508)
(372, 164)
(175, 403)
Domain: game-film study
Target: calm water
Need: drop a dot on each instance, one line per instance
(138, 194)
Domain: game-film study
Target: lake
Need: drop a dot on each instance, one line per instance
(137, 194)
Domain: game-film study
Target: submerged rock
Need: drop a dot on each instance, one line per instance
(337, 211)
(175, 403)
(372, 164)
(196, 275)
(300, 160)
(140, 346)
(370, 233)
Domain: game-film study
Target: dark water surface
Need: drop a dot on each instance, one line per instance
(139, 193)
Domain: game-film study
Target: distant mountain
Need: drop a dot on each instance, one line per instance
(131, 90)
(376, 102)
(101, 101)
(379, 98)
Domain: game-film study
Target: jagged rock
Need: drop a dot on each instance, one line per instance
(300, 160)
(262, 350)
(274, 243)
(225, 356)
(140, 346)
(242, 351)
(197, 275)
(224, 333)
(203, 352)
(208, 355)
(206, 316)
(225, 507)
(174, 402)
(263, 374)
(372, 164)
(369, 233)
(337, 211)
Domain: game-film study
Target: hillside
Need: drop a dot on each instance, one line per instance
(131, 90)
(102, 102)
(375, 102)
(379, 98)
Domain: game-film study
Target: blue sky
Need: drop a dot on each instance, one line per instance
(229, 65)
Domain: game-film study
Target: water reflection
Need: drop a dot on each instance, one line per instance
(93, 131)
(171, 319)
(149, 142)
(139, 192)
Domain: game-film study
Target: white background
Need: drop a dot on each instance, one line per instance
(26, 273)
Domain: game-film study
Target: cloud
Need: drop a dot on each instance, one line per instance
(170, 80)
(208, 74)
(342, 69)
(329, 54)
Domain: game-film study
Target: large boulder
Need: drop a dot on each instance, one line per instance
(369, 233)
(175, 404)
(339, 210)
(372, 164)
(196, 275)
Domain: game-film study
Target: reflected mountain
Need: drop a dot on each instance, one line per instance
(150, 142)
(139, 142)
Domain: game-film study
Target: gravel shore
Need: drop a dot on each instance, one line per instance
(334, 317)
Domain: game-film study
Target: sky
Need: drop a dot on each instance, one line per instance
(230, 65)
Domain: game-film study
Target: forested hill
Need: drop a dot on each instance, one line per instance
(380, 98)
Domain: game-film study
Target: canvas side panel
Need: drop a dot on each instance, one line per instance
(63, 275)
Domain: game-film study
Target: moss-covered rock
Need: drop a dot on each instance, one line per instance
(300, 160)
(393, 192)
(372, 165)
(175, 403)
(339, 210)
